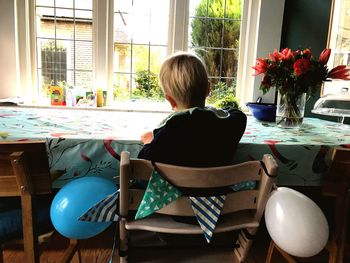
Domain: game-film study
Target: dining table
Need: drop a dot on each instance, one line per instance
(88, 142)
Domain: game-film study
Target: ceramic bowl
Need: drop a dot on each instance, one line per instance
(262, 111)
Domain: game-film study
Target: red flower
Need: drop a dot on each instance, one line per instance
(339, 72)
(324, 56)
(276, 56)
(261, 66)
(287, 54)
(301, 66)
(307, 53)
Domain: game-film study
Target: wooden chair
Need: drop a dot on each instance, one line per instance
(24, 173)
(242, 210)
(336, 185)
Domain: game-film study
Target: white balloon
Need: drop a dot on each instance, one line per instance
(295, 223)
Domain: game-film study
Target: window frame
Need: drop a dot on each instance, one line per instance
(334, 85)
(261, 29)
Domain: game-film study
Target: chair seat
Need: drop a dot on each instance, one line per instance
(166, 224)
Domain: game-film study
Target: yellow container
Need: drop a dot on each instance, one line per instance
(99, 98)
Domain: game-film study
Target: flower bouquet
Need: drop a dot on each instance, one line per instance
(295, 75)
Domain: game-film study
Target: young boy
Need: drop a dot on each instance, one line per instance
(194, 135)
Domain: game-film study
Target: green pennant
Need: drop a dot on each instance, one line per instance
(158, 194)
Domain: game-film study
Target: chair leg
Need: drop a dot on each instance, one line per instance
(70, 251)
(343, 228)
(288, 257)
(270, 251)
(123, 242)
(244, 242)
(1, 254)
(332, 248)
(30, 235)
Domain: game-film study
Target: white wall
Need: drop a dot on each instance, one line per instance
(8, 81)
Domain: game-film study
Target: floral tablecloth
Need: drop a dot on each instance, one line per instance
(88, 142)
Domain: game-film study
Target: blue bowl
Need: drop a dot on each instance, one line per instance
(262, 111)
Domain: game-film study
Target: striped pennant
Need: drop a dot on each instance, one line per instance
(104, 211)
(207, 210)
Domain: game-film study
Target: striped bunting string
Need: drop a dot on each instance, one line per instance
(104, 211)
(207, 210)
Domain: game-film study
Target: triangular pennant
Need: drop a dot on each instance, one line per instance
(207, 210)
(158, 194)
(104, 211)
(245, 185)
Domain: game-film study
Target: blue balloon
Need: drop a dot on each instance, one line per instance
(73, 200)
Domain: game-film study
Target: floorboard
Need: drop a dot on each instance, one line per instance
(99, 248)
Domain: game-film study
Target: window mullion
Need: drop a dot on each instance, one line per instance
(103, 45)
(178, 25)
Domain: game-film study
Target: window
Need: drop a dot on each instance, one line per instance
(53, 63)
(119, 45)
(64, 44)
(140, 46)
(214, 33)
(339, 42)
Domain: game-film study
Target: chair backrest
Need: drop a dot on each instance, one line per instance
(197, 178)
(24, 172)
(242, 209)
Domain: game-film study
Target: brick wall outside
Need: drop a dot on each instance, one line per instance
(81, 48)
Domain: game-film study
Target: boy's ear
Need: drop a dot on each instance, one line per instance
(172, 102)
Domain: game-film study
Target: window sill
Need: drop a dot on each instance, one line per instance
(157, 107)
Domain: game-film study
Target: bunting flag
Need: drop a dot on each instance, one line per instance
(245, 185)
(207, 210)
(158, 194)
(104, 211)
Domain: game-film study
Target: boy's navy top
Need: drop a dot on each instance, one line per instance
(197, 137)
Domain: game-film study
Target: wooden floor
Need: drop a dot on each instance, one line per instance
(99, 248)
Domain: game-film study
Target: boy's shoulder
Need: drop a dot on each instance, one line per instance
(206, 113)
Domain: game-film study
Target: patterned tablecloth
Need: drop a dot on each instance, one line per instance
(88, 142)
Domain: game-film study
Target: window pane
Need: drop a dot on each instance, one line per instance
(122, 33)
(122, 6)
(83, 79)
(45, 2)
(64, 23)
(158, 55)
(121, 58)
(64, 44)
(229, 63)
(83, 4)
(45, 22)
(83, 25)
(83, 59)
(214, 30)
(231, 33)
(64, 3)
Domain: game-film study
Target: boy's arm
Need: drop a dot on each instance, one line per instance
(161, 143)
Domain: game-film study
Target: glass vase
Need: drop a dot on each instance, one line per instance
(290, 110)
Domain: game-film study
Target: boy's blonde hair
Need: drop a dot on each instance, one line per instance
(184, 77)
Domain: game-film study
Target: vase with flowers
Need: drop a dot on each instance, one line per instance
(296, 75)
